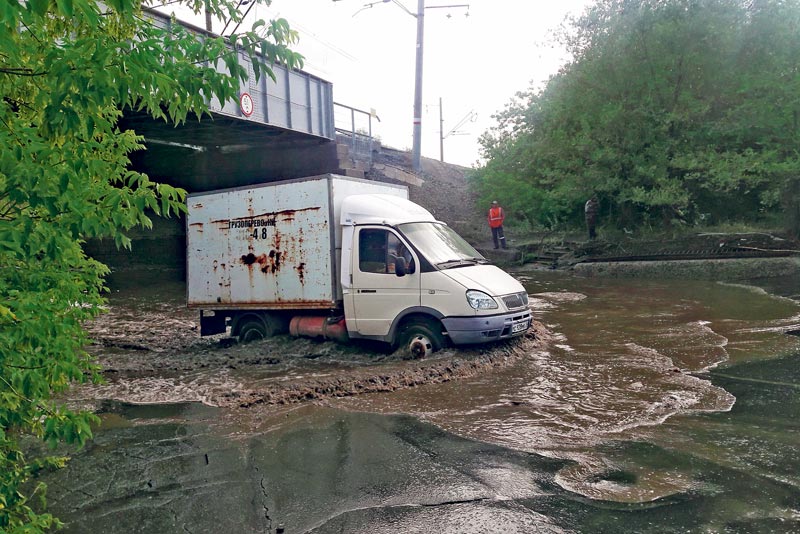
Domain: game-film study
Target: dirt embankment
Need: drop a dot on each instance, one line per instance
(444, 191)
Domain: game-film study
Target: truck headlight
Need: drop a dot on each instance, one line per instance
(480, 300)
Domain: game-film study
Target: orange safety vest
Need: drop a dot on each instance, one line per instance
(496, 217)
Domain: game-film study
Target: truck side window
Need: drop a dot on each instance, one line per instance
(398, 250)
(379, 249)
(372, 251)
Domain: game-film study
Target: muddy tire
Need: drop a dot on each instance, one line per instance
(252, 329)
(420, 339)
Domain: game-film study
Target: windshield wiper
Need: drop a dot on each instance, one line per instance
(460, 262)
(482, 261)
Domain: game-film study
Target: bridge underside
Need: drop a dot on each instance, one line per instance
(220, 152)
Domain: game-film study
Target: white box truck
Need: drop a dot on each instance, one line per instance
(342, 258)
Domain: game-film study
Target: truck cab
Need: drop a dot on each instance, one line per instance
(406, 276)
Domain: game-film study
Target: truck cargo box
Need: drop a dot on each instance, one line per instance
(270, 246)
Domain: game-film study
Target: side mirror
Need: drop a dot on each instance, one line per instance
(400, 266)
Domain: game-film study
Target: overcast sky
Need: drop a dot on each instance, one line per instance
(474, 63)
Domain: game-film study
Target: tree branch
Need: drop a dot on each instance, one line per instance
(24, 367)
(21, 71)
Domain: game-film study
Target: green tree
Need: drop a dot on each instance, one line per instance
(671, 110)
(68, 69)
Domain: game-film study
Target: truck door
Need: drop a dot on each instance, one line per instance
(379, 295)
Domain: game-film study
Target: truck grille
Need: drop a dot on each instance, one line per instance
(516, 300)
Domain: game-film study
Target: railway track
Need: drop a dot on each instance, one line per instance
(692, 254)
(701, 247)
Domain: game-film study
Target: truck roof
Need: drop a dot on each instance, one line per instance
(382, 209)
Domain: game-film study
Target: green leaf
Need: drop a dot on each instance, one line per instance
(65, 7)
(39, 7)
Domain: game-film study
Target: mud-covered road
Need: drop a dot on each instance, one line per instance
(149, 347)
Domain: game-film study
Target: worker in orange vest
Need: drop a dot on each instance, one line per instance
(496, 218)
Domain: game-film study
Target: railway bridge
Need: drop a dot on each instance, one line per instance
(278, 129)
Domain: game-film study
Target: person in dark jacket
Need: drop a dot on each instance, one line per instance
(590, 212)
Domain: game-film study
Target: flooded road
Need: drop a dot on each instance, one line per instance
(658, 407)
(627, 355)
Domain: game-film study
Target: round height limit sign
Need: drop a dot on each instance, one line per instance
(246, 104)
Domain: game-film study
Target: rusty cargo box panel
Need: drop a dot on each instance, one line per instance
(270, 246)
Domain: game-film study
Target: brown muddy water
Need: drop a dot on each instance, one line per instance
(651, 406)
(626, 355)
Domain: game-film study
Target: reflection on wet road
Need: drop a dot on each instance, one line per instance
(660, 407)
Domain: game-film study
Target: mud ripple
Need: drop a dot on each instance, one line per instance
(283, 370)
(392, 377)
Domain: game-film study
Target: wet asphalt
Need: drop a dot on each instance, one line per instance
(182, 468)
(191, 468)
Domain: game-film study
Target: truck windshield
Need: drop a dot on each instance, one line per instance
(441, 245)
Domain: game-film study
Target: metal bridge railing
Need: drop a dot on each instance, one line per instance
(355, 125)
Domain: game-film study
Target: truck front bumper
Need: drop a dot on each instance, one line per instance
(472, 330)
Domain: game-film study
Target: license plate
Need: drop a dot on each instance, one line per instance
(519, 327)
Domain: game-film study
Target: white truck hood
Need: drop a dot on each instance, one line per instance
(487, 278)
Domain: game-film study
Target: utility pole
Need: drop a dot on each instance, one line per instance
(441, 131)
(420, 16)
(417, 148)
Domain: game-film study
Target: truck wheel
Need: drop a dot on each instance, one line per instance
(421, 339)
(252, 329)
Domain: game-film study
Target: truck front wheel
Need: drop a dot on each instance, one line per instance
(420, 339)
